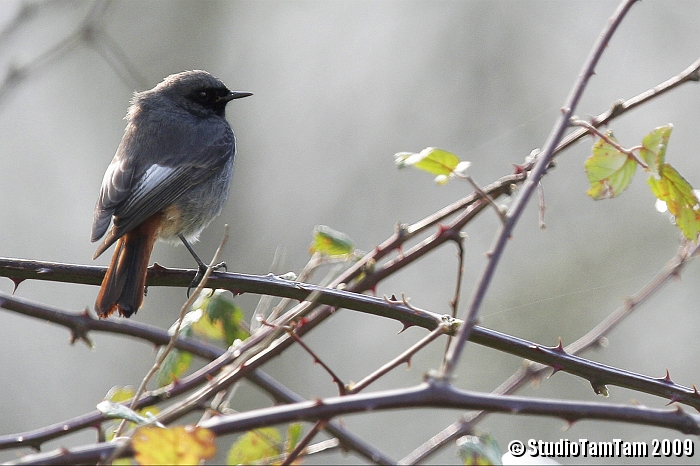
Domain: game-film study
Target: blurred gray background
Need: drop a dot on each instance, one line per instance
(339, 88)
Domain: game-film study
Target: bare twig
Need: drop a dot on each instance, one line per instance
(433, 394)
(593, 130)
(185, 307)
(404, 357)
(690, 74)
(543, 160)
(176, 332)
(542, 206)
(530, 371)
(317, 360)
(492, 203)
(489, 338)
(299, 448)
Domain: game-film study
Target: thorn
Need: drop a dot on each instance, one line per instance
(16, 281)
(373, 289)
(408, 364)
(569, 423)
(406, 325)
(673, 399)
(695, 390)
(157, 266)
(36, 448)
(555, 368)
(302, 322)
(666, 379)
(560, 347)
(317, 401)
(81, 335)
(86, 312)
(517, 169)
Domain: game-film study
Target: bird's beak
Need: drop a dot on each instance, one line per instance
(235, 95)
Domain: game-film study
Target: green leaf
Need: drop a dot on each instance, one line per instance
(255, 445)
(609, 171)
(479, 450)
(119, 394)
(173, 366)
(436, 161)
(177, 362)
(680, 199)
(222, 318)
(293, 437)
(331, 242)
(653, 150)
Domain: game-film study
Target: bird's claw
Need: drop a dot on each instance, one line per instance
(201, 270)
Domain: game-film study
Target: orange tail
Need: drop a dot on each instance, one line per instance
(125, 281)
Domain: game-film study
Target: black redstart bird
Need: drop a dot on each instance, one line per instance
(169, 179)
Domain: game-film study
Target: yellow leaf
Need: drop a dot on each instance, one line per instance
(331, 242)
(436, 161)
(653, 150)
(174, 445)
(680, 200)
(609, 171)
(256, 445)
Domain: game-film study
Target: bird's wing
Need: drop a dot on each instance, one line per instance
(132, 198)
(116, 186)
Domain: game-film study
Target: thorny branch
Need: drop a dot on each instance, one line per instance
(549, 357)
(556, 357)
(432, 394)
(543, 161)
(532, 371)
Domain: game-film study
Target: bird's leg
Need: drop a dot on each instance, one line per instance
(201, 266)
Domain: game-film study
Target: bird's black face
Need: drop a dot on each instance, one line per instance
(211, 98)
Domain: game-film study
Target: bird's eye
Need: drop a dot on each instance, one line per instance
(203, 95)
